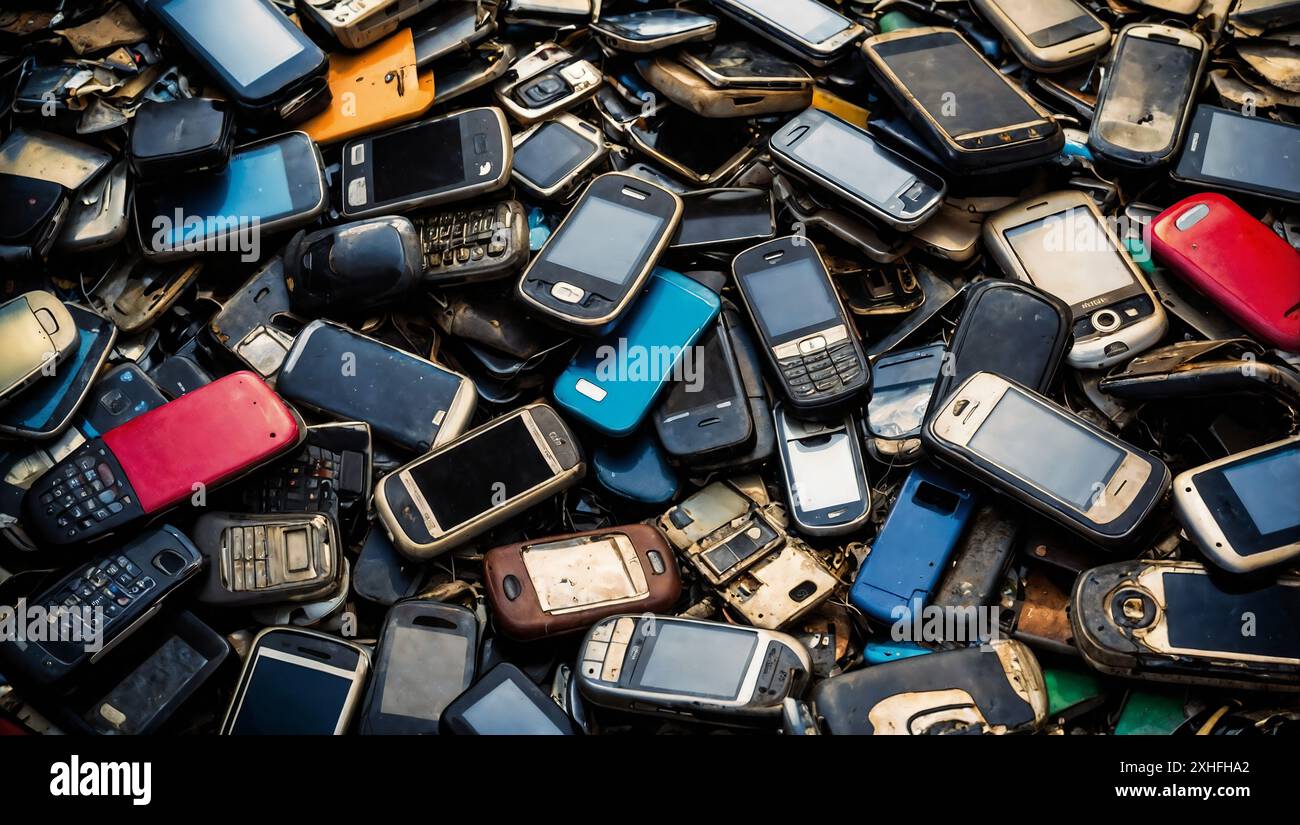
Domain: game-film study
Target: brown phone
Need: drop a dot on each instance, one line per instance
(563, 584)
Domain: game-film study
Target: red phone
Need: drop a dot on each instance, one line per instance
(156, 460)
(1219, 248)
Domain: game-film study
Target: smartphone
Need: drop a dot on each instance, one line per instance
(825, 477)
(638, 32)
(37, 333)
(991, 689)
(269, 186)
(696, 92)
(707, 671)
(562, 584)
(554, 157)
(1231, 151)
(806, 28)
(612, 382)
(1236, 261)
(297, 682)
(273, 558)
(999, 125)
(505, 702)
(544, 82)
(356, 25)
(879, 183)
(451, 28)
(714, 217)
(902, 385)
(708, 415)
(344, 374)
(915, 545)
(1047, 458)
(702, 150)
(259, 58)
(1147, 96)
(460, 490)
(116, 479)
(724, 529)
(742, 64)
(457, 156)
(1172, 621)
(600, 256)
(427, 656)
(1241, 510)
(1061, 244)
(810, 343)
(1047, 35)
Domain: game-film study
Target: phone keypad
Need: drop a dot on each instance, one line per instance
(111, 585)
(474, 238)
(86, 493)
(820, 364)
(606, 649)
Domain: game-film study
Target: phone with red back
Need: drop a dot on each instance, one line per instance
(188, 446)
(1241, 264)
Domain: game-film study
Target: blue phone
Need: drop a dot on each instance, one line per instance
(636, 469)
(912, 550)
(613, 381)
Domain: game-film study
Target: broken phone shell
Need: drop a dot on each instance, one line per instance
(969, 690)
(255, 324)
(1131, 619)
(826, 459)
(38, 335)
(687, 88)
(299, 557)
(1192, 369)
(563, 584)
(137, 292)
(781, 587)
(98, 216)
(1063, 43)
(450, 28)
(459, 74)
(725, 528)
(1241, 264)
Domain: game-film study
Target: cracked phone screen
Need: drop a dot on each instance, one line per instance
(1146, 94)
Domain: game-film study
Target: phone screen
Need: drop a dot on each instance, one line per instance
(709, 662)
(901, 393)
(1252, 152)
(700, 144)
(715, 383)
(471, 478)
(1269, 488)
(954, 84)
(1047, 450)
(1200, 616)
(289, 698)
(1070, 255)
(418, 160)
(875, 175)
(727, 215)
(425, 671)
(648, 25)
(792, 297)
(550, 154)
(808, 20)
(1146, 94)
(605, 576)
(506, 710)
(1049, 22)
(823, 470)
(605, 240)
(247, 37)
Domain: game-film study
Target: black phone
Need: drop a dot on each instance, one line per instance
(709, 417)
(353, 268)
(460, 74)
(476, 242)
(119, 395)
(702, 150)
(749, 366)
(1230, 150)
(329, 473)
(712, 217)
(449, 28)
(902, 384)
(505, 702)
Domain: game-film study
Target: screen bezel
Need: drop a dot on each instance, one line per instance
(1191, 164)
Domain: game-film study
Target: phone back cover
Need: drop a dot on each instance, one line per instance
(206, 437)
(372, 90)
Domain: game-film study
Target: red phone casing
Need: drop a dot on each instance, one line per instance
(207, 436)
(1251, 273)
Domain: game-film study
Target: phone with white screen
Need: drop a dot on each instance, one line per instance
(825, 475)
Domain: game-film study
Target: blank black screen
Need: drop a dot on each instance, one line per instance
(414, 161)
(1203, 617)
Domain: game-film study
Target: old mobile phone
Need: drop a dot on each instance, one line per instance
(457, 156)
(344, 374)
(180, 136)
(297, 682)
(1172, 621)
(551, 13)
(805, 28)
(1191, 369)
(711, 217)
(460, 490)
(101, 603)
(1238, 262)
(553, 157)
(1061, 244)
(1005, 128)
(545, 81)
(728, 674)
(479, 242)
(1047, 35)
(450, 28)
(30, 226)
(879, 183)
(259, 58)
(426, 657)
(98, 215)
(563, 584)
(654, 29)
(710, 417)
(1241, 510)
(635, 468)
(269, 558)
(505, 702)
(611, 384)
(810, 343)
(724, 529)
(356, 24)
(1047, 458)
(914, 546)
(600, 257)
(1140, 122)
(743, 64)
(330, 473)
(702, 92)
(115, 479)
(38, 334)
(825, 477)
(352, 268)
(269, 185)
(702, 150)
(902, 385)
(1232, 151)
(117, 396)
(991, 689)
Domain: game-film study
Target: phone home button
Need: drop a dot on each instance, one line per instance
(1106, 320)
(568, 293)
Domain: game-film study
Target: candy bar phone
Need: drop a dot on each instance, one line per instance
(653, 29)
(37, 333)
(505, 702)
(707, 415)
(268, 559)
(1047, 35)
(442, 159)
(553, 157)
(1047, 458)
(694, 91)
(162, 457)
(1237, 261)
(462, 489)
(759, 448)
(345, 375)
(612, 382)
(297, 682)
(1232, 151)
(722, 530)
(1061, 244)
(463, 246)
(806, 28)
(902, 385)
(809, 340)
(600, 257)
(825, 476)
(356, 24)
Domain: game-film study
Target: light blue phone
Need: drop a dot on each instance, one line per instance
(613, 381)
